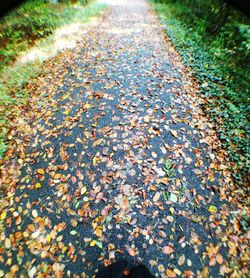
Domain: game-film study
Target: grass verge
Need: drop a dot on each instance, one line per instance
(220, 63)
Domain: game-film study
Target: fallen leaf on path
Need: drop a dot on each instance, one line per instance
(167, 249)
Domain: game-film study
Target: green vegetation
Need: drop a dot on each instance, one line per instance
(37, 19)
(20, 29)
(168, 168)
(214, 41)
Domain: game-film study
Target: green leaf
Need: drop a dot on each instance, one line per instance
(173, 198)
(99, 244)
(212, 209)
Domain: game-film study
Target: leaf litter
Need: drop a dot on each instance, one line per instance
(120, 162)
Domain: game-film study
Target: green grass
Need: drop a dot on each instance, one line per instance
(31, 22)
(221, 65)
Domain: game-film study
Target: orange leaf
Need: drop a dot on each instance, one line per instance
(40, 171)
(18, 220)
(189, 273)
(219, 259)
(81, 212)
(170, 273)
(97, 142)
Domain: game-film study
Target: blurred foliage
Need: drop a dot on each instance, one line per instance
(33, 20)
(19, 30)
(213, 39)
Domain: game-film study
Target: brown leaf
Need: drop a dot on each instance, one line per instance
(167, 249)
(189, 273)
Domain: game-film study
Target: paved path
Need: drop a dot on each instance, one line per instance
(122, 164)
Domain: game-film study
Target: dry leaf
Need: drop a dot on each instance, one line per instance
(167, 249)
(156, 197)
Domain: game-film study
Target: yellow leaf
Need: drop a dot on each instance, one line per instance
(150, 130)
(92, 243)
(40, 171)
(156, 197)
(3, 215)
(57, 176)
(170, 273)
(94, 223)
(212, 209)
(38, 185)
(44, 254)
(171, 209)
(96, 160)
(98, 231)
(48, 238)
(7, 243)
(111, 246)
(83, 190)
(87, 106)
